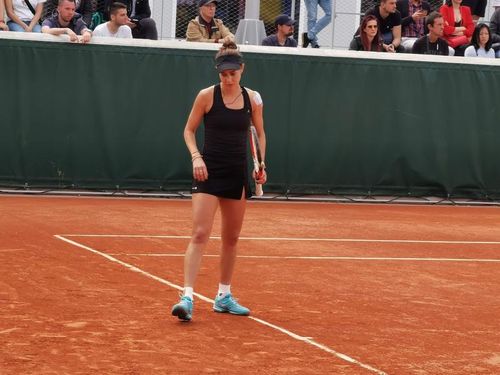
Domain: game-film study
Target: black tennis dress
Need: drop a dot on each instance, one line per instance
(225, 149)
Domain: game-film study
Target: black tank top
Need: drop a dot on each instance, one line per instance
(226, 130)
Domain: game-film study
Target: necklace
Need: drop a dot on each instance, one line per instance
(236, 98)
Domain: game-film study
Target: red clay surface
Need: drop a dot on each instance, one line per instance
(67, 310)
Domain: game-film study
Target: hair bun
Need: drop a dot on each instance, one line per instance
(229, 45)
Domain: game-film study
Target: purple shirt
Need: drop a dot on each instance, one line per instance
(76, 24)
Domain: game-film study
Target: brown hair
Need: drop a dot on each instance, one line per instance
(364, 39)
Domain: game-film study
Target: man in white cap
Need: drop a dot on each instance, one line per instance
(205, 27)
(495, 27)
(284, 31)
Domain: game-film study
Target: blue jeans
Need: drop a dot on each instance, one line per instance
(314, 26)
(15, 27)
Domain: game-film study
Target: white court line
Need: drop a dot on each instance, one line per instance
(211, 301)
(292, 239)
(321, 257)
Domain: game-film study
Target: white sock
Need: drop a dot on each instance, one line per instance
(224, 290)
(188, 292)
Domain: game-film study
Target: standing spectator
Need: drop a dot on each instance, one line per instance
(369, 36)
(413, 13)
(284, 31)
(206, 28)
(140, 21)
(458, 25)
(117, 26)
(389, 24)
(481, 43)
(477, 8)
(3, 25)
(67, 21)
(313, 25)
(24, 15)
(432, 43)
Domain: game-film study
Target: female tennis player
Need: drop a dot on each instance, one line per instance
(220, 174)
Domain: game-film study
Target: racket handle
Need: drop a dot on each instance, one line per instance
(258, 190)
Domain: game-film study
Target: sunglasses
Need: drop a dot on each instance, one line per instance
(371, 26)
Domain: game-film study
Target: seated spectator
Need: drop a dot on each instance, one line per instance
(206, 28)
(458, 25)
(3, 25)
(284, 31)
(369, 36)
(140, 21)
(481, 43)
(389, 24)
(67, 21)
(432, 43)
(24, 15)
(477, 8)
(495, 22)
(117, 26)
(413, 13)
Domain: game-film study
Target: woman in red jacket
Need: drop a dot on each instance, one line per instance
(458, 25)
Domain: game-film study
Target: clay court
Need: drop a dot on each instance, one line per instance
(86, 286)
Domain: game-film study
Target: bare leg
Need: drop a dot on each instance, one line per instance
(204, 209)
(232, 213)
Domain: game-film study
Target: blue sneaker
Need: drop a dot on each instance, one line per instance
(228, 304)
(183, 309)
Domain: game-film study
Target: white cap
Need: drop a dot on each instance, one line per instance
(495, 3)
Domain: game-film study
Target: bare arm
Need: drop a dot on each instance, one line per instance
(9, 8)
(36, 17)
(60, 31)
(200, 107)
(396, 36)
(258, 122)
(3, 25)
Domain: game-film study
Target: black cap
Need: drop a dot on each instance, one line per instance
(205, 2)
(284, 19)
(228, 62)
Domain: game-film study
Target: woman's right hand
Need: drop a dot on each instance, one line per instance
(200, 172)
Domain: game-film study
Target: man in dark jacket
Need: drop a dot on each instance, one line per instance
(139, 12)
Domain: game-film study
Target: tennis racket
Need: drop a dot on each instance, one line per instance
(258, 165)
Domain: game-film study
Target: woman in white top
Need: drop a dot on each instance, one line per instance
(21, 18)
(480, 43)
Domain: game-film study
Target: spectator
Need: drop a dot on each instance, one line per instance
(432, 43)
(369, 36)
(3, 25)
(24, 15)
(82, 7)
(117, 26)
(495, 22)
(67, 21)
(389, 24)
(284, 30)
(481, 43)
(140, 21)
(413, 13)
(205, 27)
(477, 8)
(313, 25)
(458, 25)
